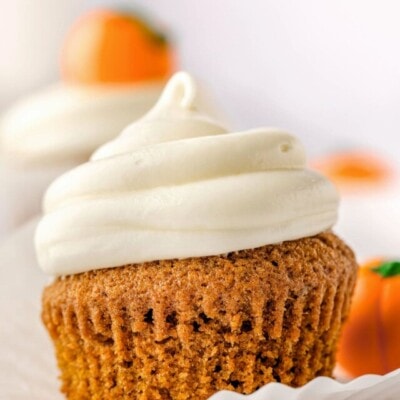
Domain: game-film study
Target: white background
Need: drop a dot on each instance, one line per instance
(327, 70)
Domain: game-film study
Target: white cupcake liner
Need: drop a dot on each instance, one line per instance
(366, 387)
(27, 364)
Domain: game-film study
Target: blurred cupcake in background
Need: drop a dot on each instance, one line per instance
(369, 184)
(113, 67)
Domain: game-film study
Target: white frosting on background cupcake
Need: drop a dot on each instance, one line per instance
(369, 183)
(65, 123)
(175, 184)
(370, 220)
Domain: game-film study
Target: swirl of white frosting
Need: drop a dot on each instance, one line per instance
(175, 184)
(66, 123)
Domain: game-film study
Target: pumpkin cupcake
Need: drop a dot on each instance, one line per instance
(114, 66)
(191, 260)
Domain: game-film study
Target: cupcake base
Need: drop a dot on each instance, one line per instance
(184, 329)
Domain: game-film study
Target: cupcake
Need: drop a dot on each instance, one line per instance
(190, 260)
(114, 66)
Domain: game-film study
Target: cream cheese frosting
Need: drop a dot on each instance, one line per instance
(65, 123)
(176, 184)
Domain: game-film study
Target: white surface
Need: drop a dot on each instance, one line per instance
(27, 367)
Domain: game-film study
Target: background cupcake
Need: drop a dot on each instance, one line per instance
(369, 183)
(113, 68)
(228, 275)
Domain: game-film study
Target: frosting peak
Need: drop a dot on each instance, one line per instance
(180, 92)
(175, 184)
(174, 117)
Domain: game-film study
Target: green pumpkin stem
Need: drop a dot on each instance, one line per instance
(147, 27)
(388, 269)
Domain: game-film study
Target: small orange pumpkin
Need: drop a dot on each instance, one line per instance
(355, 170)
(107, 46)
(370, 341)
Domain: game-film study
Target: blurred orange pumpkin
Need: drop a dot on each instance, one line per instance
(370, 341)
(107, 46)
(354, 170)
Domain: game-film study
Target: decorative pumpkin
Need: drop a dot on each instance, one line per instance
(108, 46)
(355, 170)
(370, 341)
